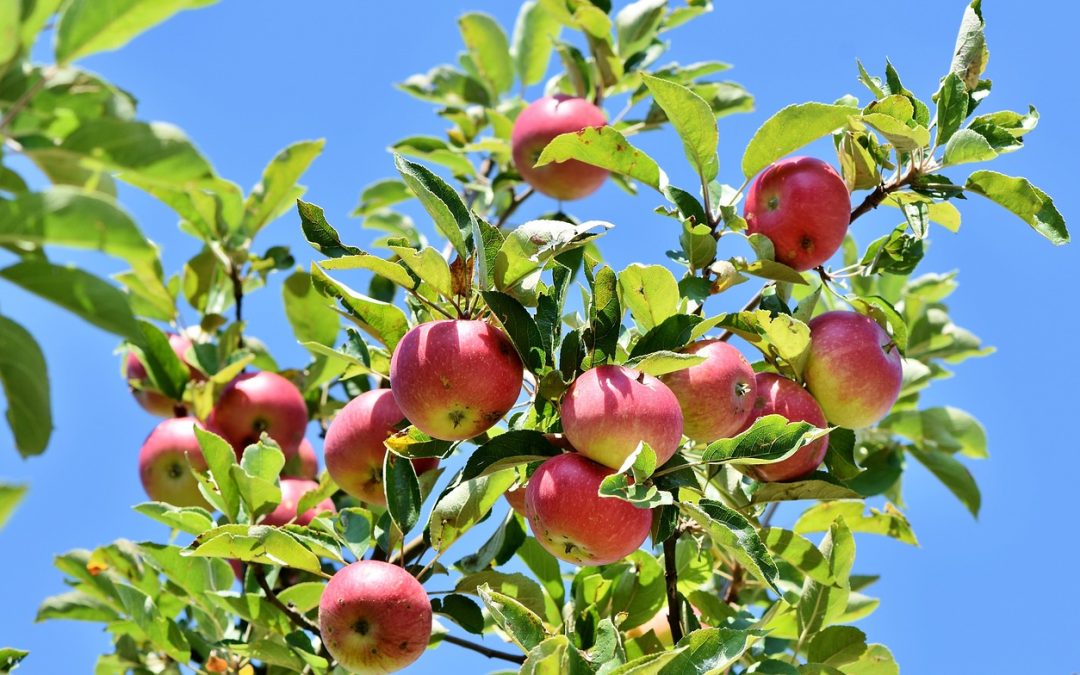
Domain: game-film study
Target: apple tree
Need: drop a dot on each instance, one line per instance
(601, 430)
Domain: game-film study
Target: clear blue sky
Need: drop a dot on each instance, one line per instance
(244, 79)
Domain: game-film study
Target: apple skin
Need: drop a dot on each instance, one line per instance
(777, 395)
(292, 491)
(154, 402)
(354, 446)
(304, 465)
(573, 522)
(803, 206)
(374, 617)
(609, 410)
(715, 396)
(854, 369)
(257, 402)
(536, 126)
(455, 379)
(164, 459)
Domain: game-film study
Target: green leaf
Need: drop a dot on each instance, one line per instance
(450, 215)
(155, 152)
(523, 626)
(220, 458)
(464, 505)
(10, 658)
(947, 429)
(823, 604)
(461, 610)
(86, 27)
(529, 247)
(256, 478)
(953, 474)
(608, 149)
(402, 490)
(168, 373)
(10, 45)
(727, 528)
(970, 53)
(818, 489)
(489, 49)
(506, 451)
(310, 314)
(498, 549)
(649, 292)
(258, 544)
(382, 320)
(381, 194)
(770, 439)
(555, 655)
(710, 650)
(672, 334)
(355, 526)
(517, 586)
(605, 316)
(520, 326)
(836, 646)
(304, 596)
(320, 234)
(798, 552)
(692, 119)
(25, 380)
(902, 136)
(967, 146)
(277, 189)
(877, 660)
(636, 25)
(535, 33)
(76, 606)
(889, 522)
(663, 362)
(190, 519)
(790, 129)
(1019, 196)
(952, 107)
(429, 265)
(10, 496)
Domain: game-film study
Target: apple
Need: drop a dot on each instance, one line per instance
(374, 617)
(536, 126)
(152, 401)
(455, 379)
(659, 625)
(257, 402)
(609, 410)
(573, 522)
(854, 369)
(166, 459)
(716, 395)
(237, 569)
(354, 446)
(292, 491)
(515, 497)
(304, 465)
(803, 206)
(777, 395)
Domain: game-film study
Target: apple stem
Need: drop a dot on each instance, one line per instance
(671, 577)
(481, 649)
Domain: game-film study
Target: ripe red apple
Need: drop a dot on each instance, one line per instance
(354, 446)
(166, 459)
(154, 402)
(304, 465)
(455, 379)
(609, 410)
(716, 395)
(536, 126)
(374, 617)
(803, 206)
(777, 395)
(573, 522)
(854, 369)
(515, 497)
(257, 402)
(292, 491)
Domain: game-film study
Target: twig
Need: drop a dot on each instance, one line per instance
(409, 552)
(298, 619)
(770, 511)
(24, 100)
(481, 649)
(671, 577)
(752, 304)
(514, 204)
(731, 594)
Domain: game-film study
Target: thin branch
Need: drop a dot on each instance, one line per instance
(481, 649)
(409, 552)
(514, 204)
(238, 290)
(298, 619)
(671, 577)
(752, 304)
(731, 595)
(24, 100)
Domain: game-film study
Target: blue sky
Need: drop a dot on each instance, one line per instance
(244, 82)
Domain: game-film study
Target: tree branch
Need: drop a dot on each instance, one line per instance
(514, 204)
(752, 304)
(481, 649)
(298, 619)
(671, 577)
(409, 552)
(24, 100)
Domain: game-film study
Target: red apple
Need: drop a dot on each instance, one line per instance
(237, 569)
(455, 379)
(166, 459)
(803, 206)
(716, 395)
(292, 491)
(354, 446)
(573, 522)
(374, 617)
(154, 402)
(854, 369)
(778, 395)
(515, 497)
(536, 126)
(609, 410)
(257, 402)
(304, 465)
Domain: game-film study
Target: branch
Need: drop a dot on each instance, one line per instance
(298, 619)
(671, 576)
(409, 552)
(24, 100)
(514, 204)
(752, 304)
(481, 649)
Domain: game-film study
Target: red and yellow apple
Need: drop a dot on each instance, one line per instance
(854, 369)
(354, 446)
(576, 524)
(304, 465)
(777, 395)
(455, 379)
(166, 460)
(374, 617)
(716, 395)
(292, 491)
(154, 402)
(536, 126)
(257, 402)
(803, 206)
(609, 410)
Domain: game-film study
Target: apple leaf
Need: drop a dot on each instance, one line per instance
(311, 315)
(191, 519)
(382, 320)
(889, 522)
(220, 458)
(450, 215)
(952, 474)
(402, 491)
(670, 335)
(970, 53)
(732, 531)
(460, 609)
(464, 504)
(650, 292)
(154, 152)
(85, 27)
(770, 439)
(636, 25)
(304, 596)
(507, 451)
(692, 119)
(711, 650)
(489, 49)
(1019, 196)
(528, 248)
(498, 549)
(605, 318)
(10, 658)
(663, 362)
(555, 655)
(429, 265)
(535, 33)
(819, 486)
(823, 604)
(257, 544)
(790, 129)
(76, 606)
(946, 429)
(836, 646)
(10, 496)
(25, 381)
(523, 626)
(608, 149)
(521, 327)
(355, 525)
(797, 551)
(380, 194)
(277, 190)
(320, 234)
